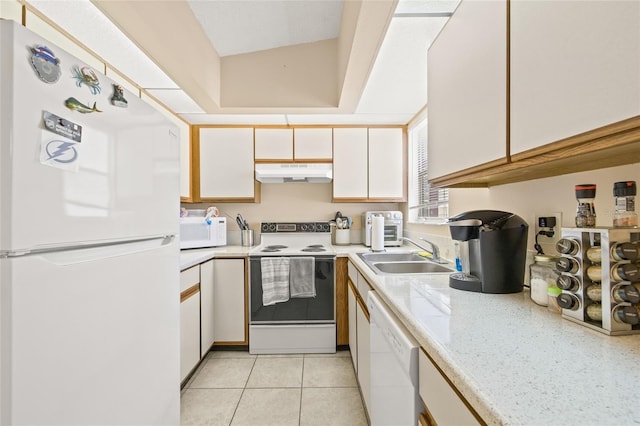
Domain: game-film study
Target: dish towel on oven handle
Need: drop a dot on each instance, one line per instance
(302, 273)
(275, 280)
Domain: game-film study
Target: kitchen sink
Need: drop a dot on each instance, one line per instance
(402, 263)
(391, 257)
(411, 268)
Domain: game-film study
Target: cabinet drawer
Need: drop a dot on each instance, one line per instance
(363, 288)
(440, 398)
(353, 273)
(189, 278)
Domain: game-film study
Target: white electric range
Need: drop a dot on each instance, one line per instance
(292, 289)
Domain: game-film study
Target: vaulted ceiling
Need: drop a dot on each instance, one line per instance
(304, 59)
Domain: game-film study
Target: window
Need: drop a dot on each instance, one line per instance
(427, 204)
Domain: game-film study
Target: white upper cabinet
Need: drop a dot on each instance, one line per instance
(369, 164)
(386, 163)
(575, 66)
(350, 163)
(274, 144)
(313, 144)
(226, 164)
(467, 88)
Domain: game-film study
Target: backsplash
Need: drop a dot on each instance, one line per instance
(531, 199)
(295, 202)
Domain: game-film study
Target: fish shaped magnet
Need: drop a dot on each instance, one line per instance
(75, 105)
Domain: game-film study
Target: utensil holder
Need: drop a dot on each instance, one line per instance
(343, 237)
(246, 237)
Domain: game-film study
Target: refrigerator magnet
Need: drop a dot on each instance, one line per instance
(62, 127)
(45, 63)
(88, 77)
(59, 153)
(75, 105)
(117, 99)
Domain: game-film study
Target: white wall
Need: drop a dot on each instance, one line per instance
(294, 202)
(535, 198)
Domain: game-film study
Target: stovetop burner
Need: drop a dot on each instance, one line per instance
(294, 239)
(314, 248)
(273, 248)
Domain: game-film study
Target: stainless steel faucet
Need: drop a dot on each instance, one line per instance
(434, 251)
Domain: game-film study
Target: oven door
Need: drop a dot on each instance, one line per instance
(319, 309)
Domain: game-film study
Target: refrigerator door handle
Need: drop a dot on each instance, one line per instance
(81, 254)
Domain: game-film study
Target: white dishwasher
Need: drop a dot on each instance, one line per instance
(394, 368)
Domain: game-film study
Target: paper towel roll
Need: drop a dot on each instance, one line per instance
(377, 233)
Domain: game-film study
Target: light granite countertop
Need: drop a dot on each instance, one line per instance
(514, 361)
(191, 257)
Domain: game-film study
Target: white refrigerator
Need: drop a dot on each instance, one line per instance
(89, 260)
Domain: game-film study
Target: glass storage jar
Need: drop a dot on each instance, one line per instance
(625, 213)
(586, 211)
(542, 275)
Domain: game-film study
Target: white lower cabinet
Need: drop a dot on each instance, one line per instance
(189, 320)
(364, 355)
(229, 301)
(359, 335)
(442, 402)
(353, 340)
(207, 307)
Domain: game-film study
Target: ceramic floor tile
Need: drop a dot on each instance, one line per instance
(338, 354)
(328, 372)
(332, 406)
(223, 373)
(208, 407)
(280, 355)
(193, 376)
(276, 373)
(264, 407)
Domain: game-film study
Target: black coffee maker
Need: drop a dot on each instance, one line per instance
(493, 249)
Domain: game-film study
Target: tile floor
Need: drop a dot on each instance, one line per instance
(236, 388)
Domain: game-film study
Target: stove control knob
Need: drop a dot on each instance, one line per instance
(303, 227)
(268, 227)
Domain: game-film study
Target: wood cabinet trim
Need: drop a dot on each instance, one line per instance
(454, 388)
(296, 160)
(362, 303)
(195, 289)
(608, 146)
(195, 164)
(342, 302)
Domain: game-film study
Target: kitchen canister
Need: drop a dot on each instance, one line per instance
(377, 233)
(542, 274)
(246, 237)
(586, 211)
(625, 212)
(343, 237)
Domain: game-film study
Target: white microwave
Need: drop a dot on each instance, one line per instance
(197, 232)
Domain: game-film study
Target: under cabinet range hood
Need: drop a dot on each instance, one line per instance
(294, 172)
